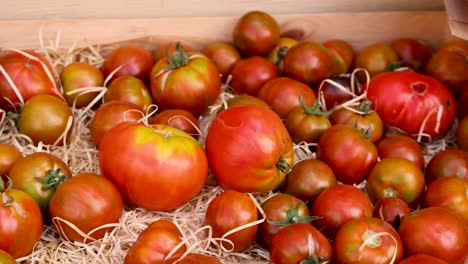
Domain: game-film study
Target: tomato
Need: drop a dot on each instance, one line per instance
(462, 134)
(437, 232)
(376, 58)
(224, 55)
(88, 201)
(422, 259)
(80, 75)
(401, 146)
(129, 89)
(245, 99)
(276, 55)
(309, 178)
(349, 153)
(6, 258)
(309, 62)
(299, 243)
(9, 154)
(229, 210)
(158, 167)
(170, 47)
(250, 74)
(404, 99)
(462, 107)
(39, 174)
(29, 76)
(449, 162)
(392, 210)
(155, 243)
(307, 124)
(187, 81)
(18, 211)
(133, 60)
(180, 119)
(281, 210)
(256, 33)
(344, 53)
(283, 94)
(412, 52)
(193, 258)
(449, 192)
(51, 122)
(332, 94)
(337, 205)
(259, 148)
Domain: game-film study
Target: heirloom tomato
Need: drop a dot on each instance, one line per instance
(9, 154)
(402, 146)
(449, 162)
(344, 53)
(307, 124)
(169, 48)
(376, 58)
(180, 119)
(6, 258)
(413, 53)
(224, 55)
(129, 89)
(333, 95)
(422, 259)
(250, 74)
(462, 134)
(392, 210)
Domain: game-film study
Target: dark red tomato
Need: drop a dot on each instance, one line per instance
(250, 74)
(79, 75)
(309, 178)
(9, 154)
(88, 201)
(344, 53)
(50, 124)
(281, 210)
(129, 89)
(187, 81)
(309, 62)
(337, 205)
(180, 119)
(224, 55)
(361, 155)
(229, 210)
(412, 52)
(155, 243)
(193, 258)
(246, 99)
(133, 60)
(39, 174)
(6, 258)
(170, 47)
(28, 75)
(462, 134)
(256, 33)
(449, 162)
(422, 259)
(449, 192)
(412, 102)
(437, 232)
(367, 241)
(462, 107)
(298, 243)
(401, 146)
(276, 55)
(392, 210)
(307, 124)
(376, 58)
(259, 146)
(170, 165)
(283, 94)
(334, 95)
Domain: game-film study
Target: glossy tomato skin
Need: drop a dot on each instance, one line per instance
(129, 89)
(437, 232)
(344, 52)
(194, 258)
(361, 155)
(171, 165)
(276, 55)
(403, 99)
(250, 74)
(462, 134)
(255, 132)
(352, 235)
(332, 94)
(180, 119)
(305, 127)
(412, 52)
(402, 146)
(224, 55)
(449, 162)
(6, 258)
(392, 210)
(422, 259)
(170, 47)
(9, 154)
(376, 58)
(246, 99)
(229, 210)
(291, 244)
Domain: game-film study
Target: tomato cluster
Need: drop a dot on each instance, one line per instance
(323, 153)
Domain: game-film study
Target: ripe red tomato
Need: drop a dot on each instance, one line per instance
(187, 81)
(129, 89)
(250, 74)
(170, 47)
(193, 258)
(170, 165)
(368, 241)
(260, 149)
(88, 201)
(6, 258)
(337, 205)
(412, 52)
(462, 134)
(276, 55)
(376, 58)
(307, 124)
(449, 162)
(349, 153)
(224, 55)
(155, 243)
(229, 210)
(437, 232)
(50, 124)
(332, 94)
(180, 119)
(299, 243)
(404, 99)
(401, 146)
(422, 259)
(9, 154)
(256, 33)
(344, 53)
(392, 210)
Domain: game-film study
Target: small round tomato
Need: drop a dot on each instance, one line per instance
(80, 75)
(245, 99)
(376, 58)
(437, 232)
(193, 258)
(332, 94)
(229, 210)
(129, 89)
(224, 55)
(48, 126)
(276, 55)
(307, 124)
(344, 53)
(9, 154)
(462, 134)
(413, 53)
(256, 33)
(309, 178)
(449, 162)
(392, 210)
(88, 201)
(180, 119)
(6, 258)
(401, 146)
(250, 74)
(422, 259)
(169, 48)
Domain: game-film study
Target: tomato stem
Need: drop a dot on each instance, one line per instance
(292, 217)
(179, 59)
(395, 65)
(283, 165)
(315, 109)
(52, 180)
(365, 107)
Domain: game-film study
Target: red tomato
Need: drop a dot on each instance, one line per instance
(193, 258)
(449, 162)
(260, 149)
(344, 53)
(256, 33)
(6, 258)
(332, 94)
(401, 146)
(170, 47)
(129, 89)
(170, 165)
(299, 243)
(337, 205)
(422, 259)
(392, 210)
(307, 124)
(180, 119)
(245, 99)
(187, 81)
(462, 134)
(413, 53)
(9, 154)
(376, 58)
(224, 55)
(250, 74)
(437, 232)
(349, 153)
(229, 210)
(404, 99)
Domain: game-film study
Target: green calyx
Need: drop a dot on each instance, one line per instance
(52, 180)
(6, 200)
(313, 259)
(395, 65)
(282, 52)
(283, 165)
(315, 109)
(179, 59)
(365, 107)
(292, 217)
(9, 184)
